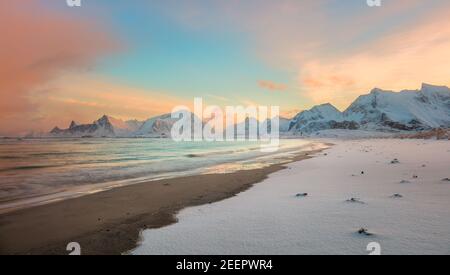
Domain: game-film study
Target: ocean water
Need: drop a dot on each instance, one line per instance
(34, 171)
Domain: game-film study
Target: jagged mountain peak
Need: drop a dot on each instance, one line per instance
(72, 125)
(319, 112)
(55, 130)
(99, 128)
(103, 121)
(325, 108)
(316, 118)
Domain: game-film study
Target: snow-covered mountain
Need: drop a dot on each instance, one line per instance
(159, 126)
(422, 109)
(99, 128)
(107, 126)
(125, 128)
(382, 110)
(321, 117)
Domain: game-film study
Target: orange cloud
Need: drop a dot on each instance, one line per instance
(326, 80)
(70, 97)
(271, 86)
(36, 45)
(399, 61)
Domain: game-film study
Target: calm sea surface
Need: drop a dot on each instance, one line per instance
(39, 170)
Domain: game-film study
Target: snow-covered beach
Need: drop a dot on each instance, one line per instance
(270, 219)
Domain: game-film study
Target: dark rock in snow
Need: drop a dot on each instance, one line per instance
(395, 161)
(355, 200)
(364, 231)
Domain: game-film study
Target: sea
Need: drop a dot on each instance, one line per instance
(37, 171)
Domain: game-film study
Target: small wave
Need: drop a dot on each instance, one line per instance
(213, 153)
(52, 154)
(28, 167)
(193, 155)
(10, 157)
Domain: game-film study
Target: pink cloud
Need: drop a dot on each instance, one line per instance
(37, 45)
(272, 86)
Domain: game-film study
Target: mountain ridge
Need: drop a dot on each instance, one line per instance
(379, 110)
(99, 128)
(382, 110)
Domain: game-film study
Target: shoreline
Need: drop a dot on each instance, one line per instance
(110, 222)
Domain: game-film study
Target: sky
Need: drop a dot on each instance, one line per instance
(141, 58)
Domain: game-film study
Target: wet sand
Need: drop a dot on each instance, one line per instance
(109, 222)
